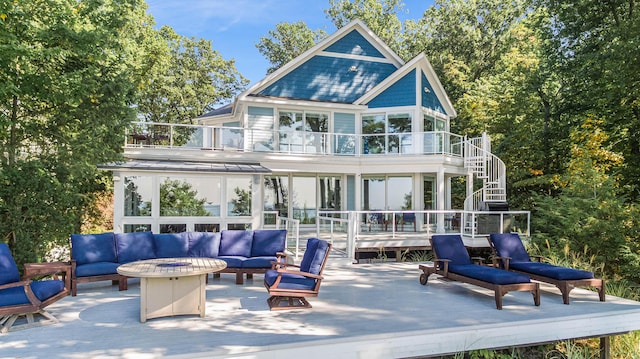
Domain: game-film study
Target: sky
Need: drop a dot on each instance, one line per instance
(235, 26)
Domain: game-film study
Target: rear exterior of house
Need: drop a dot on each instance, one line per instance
(346, 138)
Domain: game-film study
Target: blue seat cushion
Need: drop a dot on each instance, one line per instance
(204, 244)
(100, 268)
(451, 247)
(235, 243)
(134, 246)
(289, 281)
(168, 245)
(258, 262)
(233, 261)
(43, 290)
(92, 248)
(509, 245)
(489, 274)
(8, 269)
(314, 256)
(551, 271)
(268, 242)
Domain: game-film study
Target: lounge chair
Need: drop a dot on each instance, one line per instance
(511, 255)
(452, 261)
(291, 283)
(26, 298)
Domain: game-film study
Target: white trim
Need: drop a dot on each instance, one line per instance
(357, 57)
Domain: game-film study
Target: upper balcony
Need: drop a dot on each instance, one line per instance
(197, 137)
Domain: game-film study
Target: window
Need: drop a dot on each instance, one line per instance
(303, 199)
(373, 196)
(330, 193)
(433, 136)
(303, 132)
(238, 196)
(276, 197)
(387, 193)
(137, 196)
(190, 197)
(386, 133)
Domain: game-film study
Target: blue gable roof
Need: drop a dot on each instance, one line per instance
(429, 99)
(401, 93)
(354, 43)
(330, 79)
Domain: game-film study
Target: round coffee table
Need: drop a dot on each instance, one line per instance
(172, 286)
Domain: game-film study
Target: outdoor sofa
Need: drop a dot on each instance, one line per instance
(95, 257)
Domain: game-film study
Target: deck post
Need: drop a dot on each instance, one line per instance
(605, 347)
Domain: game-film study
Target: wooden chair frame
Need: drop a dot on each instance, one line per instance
(296, 298)
(565, 286)
(499, 289)
(9, 314)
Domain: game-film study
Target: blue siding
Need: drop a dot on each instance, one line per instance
(430, 100)
(324, 78)
(355, 44)
(351, 193)
(260, 111)
(401, 93)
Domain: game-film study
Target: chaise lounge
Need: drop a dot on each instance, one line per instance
(452, 261)
(512, 256)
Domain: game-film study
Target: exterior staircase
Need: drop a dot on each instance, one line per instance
(490, 169)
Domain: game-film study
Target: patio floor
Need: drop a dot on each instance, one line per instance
(363, 311)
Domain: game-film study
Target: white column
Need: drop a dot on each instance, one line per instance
(440, 199)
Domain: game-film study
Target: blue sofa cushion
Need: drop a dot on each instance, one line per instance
(204, 244)
(268, 242)
(489, 274)
(451, 247)
(509, 245)
(134, 246)
(235, 243)
(233, 261)
(551, 271)
(258, 262)
(289, 280)
(43, 290)
(100, 268)
(92, 248)
(8, 269)
(314, 255)
(170, 245)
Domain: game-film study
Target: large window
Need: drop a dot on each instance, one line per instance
(433, 136)
(137, 196)
(189, 197)
(303, 199)
(387, 193)
(386, 133)
(373, 196)
(238, 196)
(330, 193)
(302, 132)
(276, 197)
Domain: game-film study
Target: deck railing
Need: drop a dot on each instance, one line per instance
(349, 230)
(180, 136)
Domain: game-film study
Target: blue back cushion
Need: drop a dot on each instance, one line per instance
(450, 246)
(134, 246)
(509, 245)
(8, 268)
(93, 248)
(267, 242)
(169, 245)
(236, 243)
(314, 256)
(204, 244)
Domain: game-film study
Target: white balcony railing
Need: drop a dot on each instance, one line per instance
(159, 135)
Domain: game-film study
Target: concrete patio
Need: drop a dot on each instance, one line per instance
(363, 311)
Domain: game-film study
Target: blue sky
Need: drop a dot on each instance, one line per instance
(235, 26)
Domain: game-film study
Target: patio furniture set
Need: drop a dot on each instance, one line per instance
(173, 271)
(512, 268)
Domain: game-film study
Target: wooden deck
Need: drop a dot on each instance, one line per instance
(363, 311)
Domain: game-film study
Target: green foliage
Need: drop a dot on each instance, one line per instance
(177, 198)
(241, 202)
(286, 42)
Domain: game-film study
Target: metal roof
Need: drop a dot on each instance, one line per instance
(185, 166)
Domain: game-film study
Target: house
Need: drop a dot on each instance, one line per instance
(346, 134)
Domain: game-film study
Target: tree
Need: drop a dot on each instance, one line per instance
(379, 15)
(286, 42)
(68, 73)
(178, 198)
(187, 78)
(241, 202)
